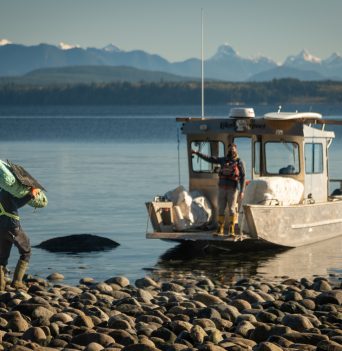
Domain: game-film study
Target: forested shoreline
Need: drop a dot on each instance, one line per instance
(168, 93)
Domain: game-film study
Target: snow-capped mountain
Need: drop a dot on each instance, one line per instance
(4, 42)
(226, 64)
(111, 48)
(303, 58)
(65, 46)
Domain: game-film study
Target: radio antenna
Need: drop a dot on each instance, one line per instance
(202, 64)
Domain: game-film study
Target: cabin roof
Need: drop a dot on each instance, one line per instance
(212, 126)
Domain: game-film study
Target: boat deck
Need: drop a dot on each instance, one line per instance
(196, 236)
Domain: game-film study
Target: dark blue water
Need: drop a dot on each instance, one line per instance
(101, 164)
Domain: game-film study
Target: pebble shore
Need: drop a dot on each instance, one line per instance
(180, 314)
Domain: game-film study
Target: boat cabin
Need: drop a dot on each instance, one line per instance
(272, 146)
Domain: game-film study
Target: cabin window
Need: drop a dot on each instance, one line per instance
(282, 157)
(313, 158)
(209, 148)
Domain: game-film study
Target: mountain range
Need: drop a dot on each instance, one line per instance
(225, 65)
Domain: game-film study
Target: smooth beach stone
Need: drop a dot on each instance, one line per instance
(208, 312)
(266, 317)
(244, 328)
(122, 281)
(305, 338)
(212, 340)
(139, 347)
(228, 312)
(308, 304)
(87, 338)
(251, 297)
(241, 304)
(207, 299)
(267, 346)
(62, 317)
(144, 295)
(165, 334)
(87, 281)
(146, 282)
(204, 323)
(42, 312)
(123, 337)
(242, 342)
(55, 276)
(297, 322)
(94, 346)
(198, 334)
(83, 321)
(332, 296)
(35, 334)
(16, 322)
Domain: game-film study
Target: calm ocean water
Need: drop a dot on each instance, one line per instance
(101, 164)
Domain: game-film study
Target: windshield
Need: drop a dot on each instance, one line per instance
(282, 158)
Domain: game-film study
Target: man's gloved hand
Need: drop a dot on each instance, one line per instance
(35, 192)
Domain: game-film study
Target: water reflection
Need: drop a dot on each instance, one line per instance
(323, 259)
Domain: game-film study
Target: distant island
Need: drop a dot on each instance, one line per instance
(170, 93)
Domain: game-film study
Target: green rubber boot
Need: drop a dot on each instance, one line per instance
(232, 222)
(18, 275)
(2, 278)
(220, 226)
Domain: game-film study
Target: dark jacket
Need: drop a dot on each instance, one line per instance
(224, 181)
(11, 204)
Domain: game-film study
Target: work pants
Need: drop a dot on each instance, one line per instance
(17, 237)
(227, 196)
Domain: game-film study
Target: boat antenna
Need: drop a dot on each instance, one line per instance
(202, 67)
(178, 151)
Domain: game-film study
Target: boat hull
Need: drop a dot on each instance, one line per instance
(295, 225)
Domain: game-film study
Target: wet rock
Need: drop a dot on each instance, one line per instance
(305, 338)
(78, 243)
(55, 276)
(297, 322)
(321, 284)
(332, 296)
(35, 334)
(207, 299)
(251, 296)
(16, 322)
(267, 346)
(328, 345)
(87, 338)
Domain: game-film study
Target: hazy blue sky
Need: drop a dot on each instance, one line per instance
(172, 28)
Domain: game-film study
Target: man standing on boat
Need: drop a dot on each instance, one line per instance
(231, 186)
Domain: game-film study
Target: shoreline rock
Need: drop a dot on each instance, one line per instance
(177, 314)
(77, 243)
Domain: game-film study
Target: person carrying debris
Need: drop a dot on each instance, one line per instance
(11, 233)
(231, 186)
(17, 188)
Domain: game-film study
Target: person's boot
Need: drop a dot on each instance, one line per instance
(2, 278)
(18, 275)
(220, 226)
(233, 219)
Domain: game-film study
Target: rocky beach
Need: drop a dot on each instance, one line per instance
(183, 313)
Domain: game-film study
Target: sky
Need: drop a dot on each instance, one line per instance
(172, 28)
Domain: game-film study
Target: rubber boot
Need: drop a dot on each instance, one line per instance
(18, 275)
(220, 226)
(2, 279)
(233, 219)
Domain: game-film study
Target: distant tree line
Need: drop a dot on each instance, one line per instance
(168, 93)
